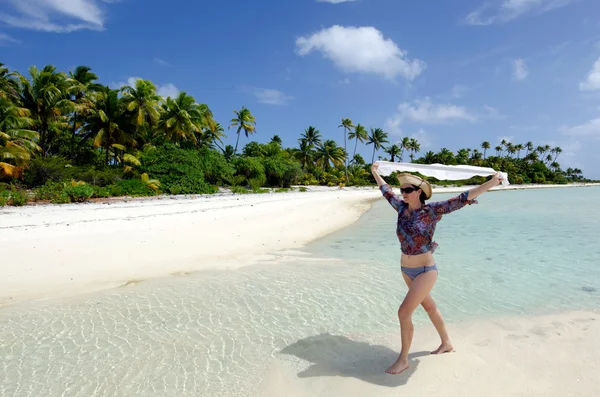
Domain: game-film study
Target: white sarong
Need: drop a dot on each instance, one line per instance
(440, 171)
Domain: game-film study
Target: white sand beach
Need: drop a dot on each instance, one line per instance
(53, 250)
(60, 250)
(552, 356)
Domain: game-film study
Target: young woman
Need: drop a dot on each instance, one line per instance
(415, 229)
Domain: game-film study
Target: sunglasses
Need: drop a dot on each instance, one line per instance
(408, 190)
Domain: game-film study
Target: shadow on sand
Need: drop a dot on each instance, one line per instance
(335, 355)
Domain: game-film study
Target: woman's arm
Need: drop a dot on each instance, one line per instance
(395, 201)
(377, 177)
(484, 187)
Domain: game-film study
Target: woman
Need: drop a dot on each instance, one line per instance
(415, 229)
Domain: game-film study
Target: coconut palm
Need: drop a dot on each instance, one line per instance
(17, 142)
(182, 118)
(305, 153)
(244, 120)
(485, 145)
(393, 151)
(107, 123)
(46, 98)
(358, 134)
(377, 139)
(142, 100)
(9, 83)
(414, 147)
(81, 85)
(348, 126)
(329, 152)
(312, 136)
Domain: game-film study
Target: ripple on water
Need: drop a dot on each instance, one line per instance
(215, 333)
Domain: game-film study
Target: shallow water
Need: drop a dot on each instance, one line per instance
(215, 333)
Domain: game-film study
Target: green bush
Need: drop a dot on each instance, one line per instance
(79, 193)
(281, 171)
(46, 169)
(250, 168)
(4, 196)
(49, 191)
(180, 171)
(129, 187)
(18, 198)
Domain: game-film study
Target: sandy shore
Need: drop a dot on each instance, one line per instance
(552, 356)
(58, 250)
(52, 250)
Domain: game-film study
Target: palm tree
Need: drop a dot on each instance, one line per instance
(305, 153)
(107, 124)
(404, 145)
(557, 151)
(347, 125)
(276, 139)
(377, 139)
(9, 83)
(485, 145)
(328, 152)
(312, 136)
(414, 147)
(359, 134)
(518, 148)
(529, 147)
(17, 143)
(82, 84)
(182, 118)
(142, 101)
(393, 151)
(244, 120)
(498, 150)
(46, 98)
(212, 136)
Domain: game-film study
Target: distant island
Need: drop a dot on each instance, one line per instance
(66, 138)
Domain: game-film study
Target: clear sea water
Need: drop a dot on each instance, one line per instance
(214, 333)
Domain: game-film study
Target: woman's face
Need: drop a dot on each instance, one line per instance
(410, 194)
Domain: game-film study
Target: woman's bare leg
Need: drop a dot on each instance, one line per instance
(436, 318)
(419, 289)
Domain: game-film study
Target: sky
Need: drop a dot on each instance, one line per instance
(450, 73)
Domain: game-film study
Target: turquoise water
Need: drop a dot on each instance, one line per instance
(216, 333)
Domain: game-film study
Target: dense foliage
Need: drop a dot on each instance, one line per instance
(66, 138)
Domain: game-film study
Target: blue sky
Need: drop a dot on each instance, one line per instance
(450, 73)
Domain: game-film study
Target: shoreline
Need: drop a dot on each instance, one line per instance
(72, 249)
(495, 356)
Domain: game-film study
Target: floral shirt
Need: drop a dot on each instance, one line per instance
(415, 228)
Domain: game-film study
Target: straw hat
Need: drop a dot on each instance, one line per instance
(421, 183)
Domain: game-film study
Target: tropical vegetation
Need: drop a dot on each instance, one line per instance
(65, 137)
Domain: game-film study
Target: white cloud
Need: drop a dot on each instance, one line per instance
(458, 91)
(269, 96)
(504, 11)
(6, 40)
(361, 50)
(423, 111)
(520, 70)
(165, 90)
(54, 15)
(161, 62)
(589, 129)
(424, 138)
(334, 1)
(592, 82)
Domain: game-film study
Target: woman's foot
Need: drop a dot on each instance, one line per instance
(445, 347)
(399, 366)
